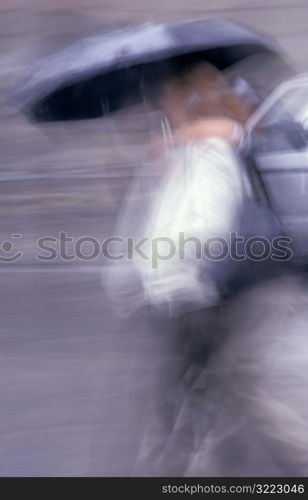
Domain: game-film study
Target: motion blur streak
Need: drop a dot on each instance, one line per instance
(84, 392)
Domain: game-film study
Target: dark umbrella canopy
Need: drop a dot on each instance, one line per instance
(97, 75)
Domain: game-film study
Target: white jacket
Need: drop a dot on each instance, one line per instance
(200, 196)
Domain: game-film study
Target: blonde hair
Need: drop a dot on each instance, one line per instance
(201, 92)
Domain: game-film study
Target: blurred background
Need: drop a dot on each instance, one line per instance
(74, 379)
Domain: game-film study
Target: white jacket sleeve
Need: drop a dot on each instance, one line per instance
(199, 200)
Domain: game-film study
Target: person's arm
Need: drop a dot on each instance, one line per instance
(200, 200)
(207, 128)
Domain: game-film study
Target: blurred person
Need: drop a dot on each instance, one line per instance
(206, 423)
(203, 188)
(200, 194)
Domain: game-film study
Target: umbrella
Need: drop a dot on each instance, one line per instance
(98, 74)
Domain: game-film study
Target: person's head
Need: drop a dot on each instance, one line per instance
(201, 92)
